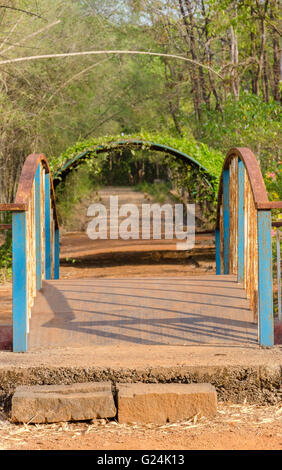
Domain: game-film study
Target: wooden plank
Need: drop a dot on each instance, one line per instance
(226, 220)
(52, 223)
(57, 255)
(266, 335)
(250, 246)
(13, 207)
(235, 213)
(221, 239)
(252, 243)
(246, 231)
(269, 205)
(240, 230)
(233, 196)
(47, 228)
(254, 286)
(38, 227)
(217, 251)
(278, 261)
(33, 251)
(20, 313)
(42, 203)
(31, 255)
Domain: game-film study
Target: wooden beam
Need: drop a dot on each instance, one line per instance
(48, 263)
(266, 333)
(226, 220)
(57, 255)
(13, 207)
(217, 251)
(37, 182)
(20, 314)
(241, 225)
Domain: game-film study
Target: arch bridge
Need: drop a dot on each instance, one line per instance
(235, 306)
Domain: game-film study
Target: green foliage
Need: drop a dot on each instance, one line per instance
(70, 193)
(6, 258)
(159, 190)
(181, 175)
(211, 159)
(249, 122)
(273, 181)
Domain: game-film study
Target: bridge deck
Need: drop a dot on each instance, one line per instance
(154, 311)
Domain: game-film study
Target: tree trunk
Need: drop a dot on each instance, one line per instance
(262, 73)
(234, 60)
(173, 104)
(254, 81)
(209, 59)
(190, 39)
(277, 67)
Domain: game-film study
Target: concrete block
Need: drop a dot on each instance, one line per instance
(162, 403)
(55, 403)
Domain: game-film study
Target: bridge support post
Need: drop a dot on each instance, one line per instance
(266, 333)
(57, 255)
(48, 259)
(38, 228)
(241, 225)
(226, 221)
(217, 251)
(20, 312)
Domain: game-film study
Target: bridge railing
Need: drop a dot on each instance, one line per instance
(278, 224)
(243, 235)
(35, 243)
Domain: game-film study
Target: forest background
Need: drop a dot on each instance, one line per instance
(227, 94)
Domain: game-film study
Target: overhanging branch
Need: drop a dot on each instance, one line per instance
(84, 53)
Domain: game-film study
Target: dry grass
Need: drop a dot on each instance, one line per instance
(229, 415)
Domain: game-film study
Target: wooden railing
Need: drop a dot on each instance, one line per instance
(243, 234)
(278, 224)
(35, 242)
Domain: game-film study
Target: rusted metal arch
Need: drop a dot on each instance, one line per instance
(82, 157)
(24, 190)
(257, 183)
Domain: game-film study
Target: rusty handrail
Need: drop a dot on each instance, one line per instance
(24, 190)
(256, 180)
(35, 243)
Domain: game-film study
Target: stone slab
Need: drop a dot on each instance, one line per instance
(162, 403)
(55, 403)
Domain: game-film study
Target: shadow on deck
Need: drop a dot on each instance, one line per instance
(190, 311)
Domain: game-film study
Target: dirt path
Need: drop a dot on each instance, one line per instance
(234, 427)
(82, 257)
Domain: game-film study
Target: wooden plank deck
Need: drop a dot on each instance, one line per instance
(211, 310)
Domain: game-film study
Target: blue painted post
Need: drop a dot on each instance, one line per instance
(20, 313)
(38, 228)
(241, 225)
(217, 251)
(266, 333)
(226, 221)
(57, 255)
(48, 248)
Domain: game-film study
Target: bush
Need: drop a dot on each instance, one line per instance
(6, 258)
